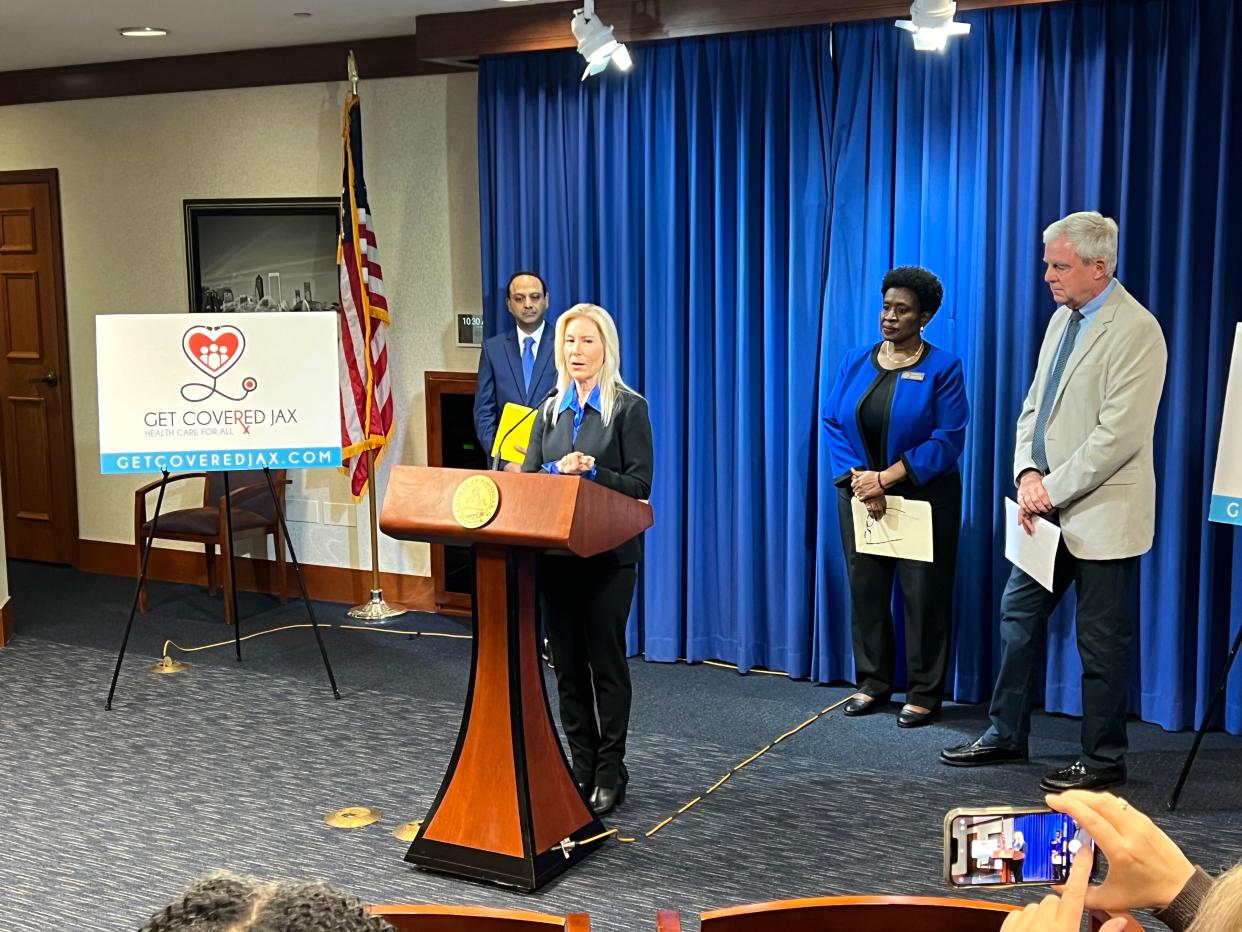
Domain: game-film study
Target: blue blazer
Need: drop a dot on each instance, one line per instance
(926, 424)
(500, 379)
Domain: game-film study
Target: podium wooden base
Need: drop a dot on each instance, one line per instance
(508, 799)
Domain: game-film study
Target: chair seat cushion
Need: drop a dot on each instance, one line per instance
(204, 521)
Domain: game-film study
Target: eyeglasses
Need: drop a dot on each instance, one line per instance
(872, 524)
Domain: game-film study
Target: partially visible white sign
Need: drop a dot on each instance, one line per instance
(1226, 504)
(211, 392)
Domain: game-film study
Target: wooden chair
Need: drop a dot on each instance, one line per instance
(476, 919)
(253, 514)
(851, 914)
(861, 914)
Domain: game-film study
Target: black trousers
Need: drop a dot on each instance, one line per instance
(927, 595)
(585, 606)
(1105, 628)
(1015, 865)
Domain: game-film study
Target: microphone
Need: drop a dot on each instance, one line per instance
(496, 455)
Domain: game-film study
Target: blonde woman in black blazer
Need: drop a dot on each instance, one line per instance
(596, 427)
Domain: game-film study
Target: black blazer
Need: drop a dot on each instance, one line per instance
(622, 451)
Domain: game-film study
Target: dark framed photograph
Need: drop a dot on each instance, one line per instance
(270, 254)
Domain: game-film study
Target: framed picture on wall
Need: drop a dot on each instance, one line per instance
(272, 254)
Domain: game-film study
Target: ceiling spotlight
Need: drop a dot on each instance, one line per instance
(142, 32)
(596, 42)
(931, 22)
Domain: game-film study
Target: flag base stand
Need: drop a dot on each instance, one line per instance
(376, 609)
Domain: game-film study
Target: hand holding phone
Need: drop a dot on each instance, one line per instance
(1063, 913)
(1146, 869)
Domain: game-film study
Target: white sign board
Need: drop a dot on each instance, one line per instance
(211, 392)
(1226, 504)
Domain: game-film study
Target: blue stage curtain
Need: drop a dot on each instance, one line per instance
(957, 162)
(689, 198)
(736, 201)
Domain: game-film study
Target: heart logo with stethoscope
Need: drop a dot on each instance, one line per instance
(214, 351)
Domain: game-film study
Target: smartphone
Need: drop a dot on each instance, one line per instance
(1008, 847)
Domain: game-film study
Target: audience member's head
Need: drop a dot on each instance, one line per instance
(1222, 910)
(227, 903)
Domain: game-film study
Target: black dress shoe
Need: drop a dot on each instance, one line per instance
(1078, 776)
(607, 798)
(862, 704)
(978, 754)
(546, 653)
(585, 789)
(912, 718)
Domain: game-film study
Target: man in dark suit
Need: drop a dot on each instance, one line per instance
(516, 364)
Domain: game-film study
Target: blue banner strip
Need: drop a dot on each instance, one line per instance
(220, 460)
(1226, 509)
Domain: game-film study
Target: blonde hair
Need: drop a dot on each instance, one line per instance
(1222, 909)
(610, 383)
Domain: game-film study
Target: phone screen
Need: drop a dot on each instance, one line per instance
(991, 847)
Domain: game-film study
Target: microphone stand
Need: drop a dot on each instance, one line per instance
(496, 455)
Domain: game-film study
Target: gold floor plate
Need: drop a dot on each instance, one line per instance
(353, 817)
(407, 831)
(168, 665)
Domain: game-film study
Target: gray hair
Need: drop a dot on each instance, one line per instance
(1092, 235)
(225, 902)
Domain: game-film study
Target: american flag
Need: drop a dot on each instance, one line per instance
(366, 389)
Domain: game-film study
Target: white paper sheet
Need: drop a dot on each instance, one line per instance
(1035, 554)
(904, 533)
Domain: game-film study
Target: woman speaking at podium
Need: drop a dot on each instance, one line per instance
(595, 427)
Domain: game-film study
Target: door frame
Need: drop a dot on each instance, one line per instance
(51, 177)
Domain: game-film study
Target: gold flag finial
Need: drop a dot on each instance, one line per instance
(352, 67)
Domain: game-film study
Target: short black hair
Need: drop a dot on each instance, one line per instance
(925, 285)
(517, 275)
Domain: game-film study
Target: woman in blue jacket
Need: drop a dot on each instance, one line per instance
(896, 423)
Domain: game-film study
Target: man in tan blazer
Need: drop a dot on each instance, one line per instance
(1083, 460)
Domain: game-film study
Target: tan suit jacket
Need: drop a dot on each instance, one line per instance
(1099, 433)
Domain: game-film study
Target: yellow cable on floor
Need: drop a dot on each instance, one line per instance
(566, 846)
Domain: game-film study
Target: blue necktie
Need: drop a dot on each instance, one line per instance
(1038, 451)
(528, 361)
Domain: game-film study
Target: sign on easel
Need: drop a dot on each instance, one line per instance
(212, 392)
(1226, 504)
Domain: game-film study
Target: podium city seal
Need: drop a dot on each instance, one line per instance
(475, 502)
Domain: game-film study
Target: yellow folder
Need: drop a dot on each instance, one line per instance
(512, 414)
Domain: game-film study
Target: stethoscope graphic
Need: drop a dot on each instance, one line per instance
(214, 351)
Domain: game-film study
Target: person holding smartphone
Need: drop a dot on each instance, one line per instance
(1146, 870)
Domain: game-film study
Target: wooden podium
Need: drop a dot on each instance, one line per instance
(508, 800)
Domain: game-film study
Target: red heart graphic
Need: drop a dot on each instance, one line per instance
(213, 350)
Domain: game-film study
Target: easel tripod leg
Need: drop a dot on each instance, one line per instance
(232, 565)
(142, 578)
(297, 571)
(1207, 719)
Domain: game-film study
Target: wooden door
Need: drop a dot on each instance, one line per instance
(36, 429)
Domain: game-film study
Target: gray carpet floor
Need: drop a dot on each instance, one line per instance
(110, 814)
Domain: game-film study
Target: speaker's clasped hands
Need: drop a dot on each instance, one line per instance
(575, 464)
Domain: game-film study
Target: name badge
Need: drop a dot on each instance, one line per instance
(913, 376)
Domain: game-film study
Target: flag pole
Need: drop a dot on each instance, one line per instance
(375, 608)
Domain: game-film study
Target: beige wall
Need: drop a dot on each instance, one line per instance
(127, 163)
